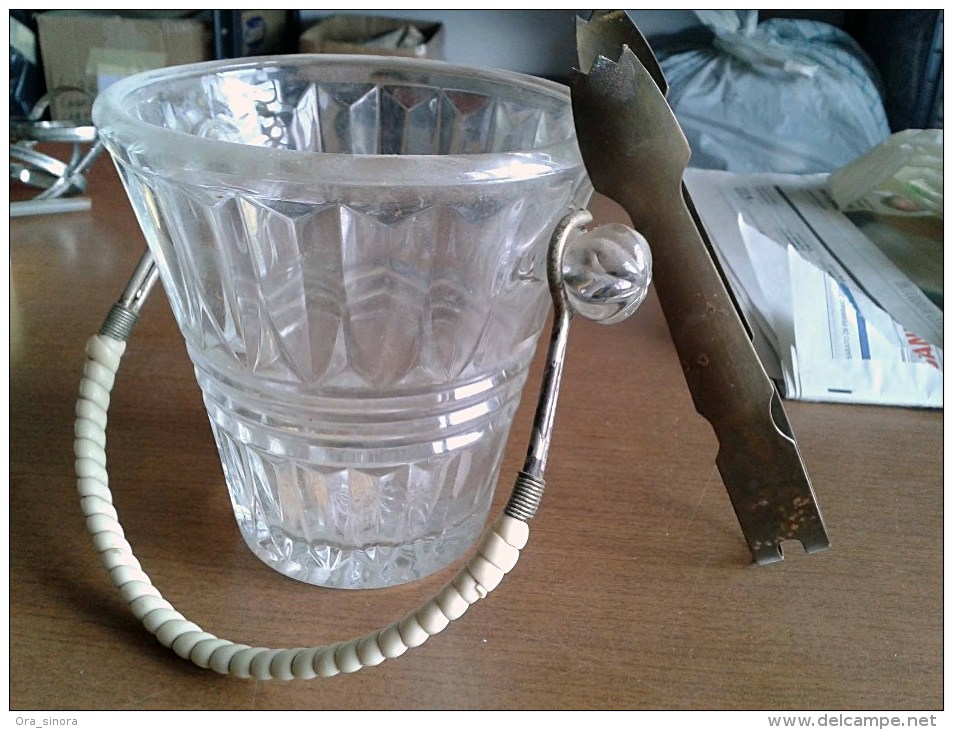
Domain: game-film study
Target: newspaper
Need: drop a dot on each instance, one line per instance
(832, 318)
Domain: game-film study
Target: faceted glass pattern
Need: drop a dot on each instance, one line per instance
(354, 251)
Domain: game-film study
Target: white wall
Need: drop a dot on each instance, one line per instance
(539, 42)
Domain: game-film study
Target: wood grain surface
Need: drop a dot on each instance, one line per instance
(636, 590)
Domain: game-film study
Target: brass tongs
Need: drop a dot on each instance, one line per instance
(636, 154)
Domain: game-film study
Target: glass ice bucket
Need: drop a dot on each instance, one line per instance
(355, 252)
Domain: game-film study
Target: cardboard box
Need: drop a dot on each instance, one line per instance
(348, 34)
(92, 49)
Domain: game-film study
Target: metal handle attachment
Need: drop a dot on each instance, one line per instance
(606, 282)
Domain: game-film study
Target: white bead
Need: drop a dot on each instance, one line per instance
(222, 657)
(86, 449)
(87, 487)
(468, 588)
(202, 652)
(369, 651)
(260, 667)
(171, 630)
(84, 429)
(154, 619)
(515, 532)
(144, 605)
(104, 351)
(122, 574)
(281, 664)
(431, 618)
(89, 469)
(97, 505)
(240, 665)
(411, 632)
(94, 392)
(110, 541)
(112, 558)
(452, 604)
(499, 552)
(325, 663)
(99, 523)
(185, 643)
(94, 342)
(486, 574)
(303, 664)
(346, 657)
(116, 346)
(100, 373)
(132, 590)
(391, 644)
(91, 412)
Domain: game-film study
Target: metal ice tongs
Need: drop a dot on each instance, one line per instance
(635, 153)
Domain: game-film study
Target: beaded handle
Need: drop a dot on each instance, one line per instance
(495, 557)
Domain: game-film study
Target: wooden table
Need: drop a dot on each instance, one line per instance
(636, 591)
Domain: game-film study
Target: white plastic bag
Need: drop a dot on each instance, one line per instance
(791, 96)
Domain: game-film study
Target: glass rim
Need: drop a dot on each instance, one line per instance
(132, 139)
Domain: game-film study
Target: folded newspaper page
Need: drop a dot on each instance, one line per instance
(833, 319)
